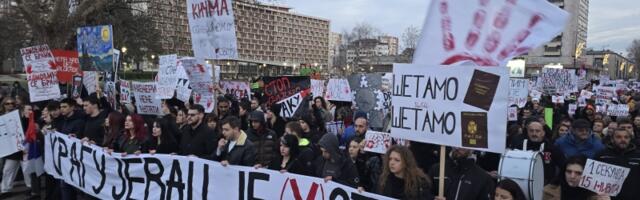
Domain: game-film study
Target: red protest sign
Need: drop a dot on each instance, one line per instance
(67, 65)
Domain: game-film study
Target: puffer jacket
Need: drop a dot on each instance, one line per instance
(629, 158)
(266, 144)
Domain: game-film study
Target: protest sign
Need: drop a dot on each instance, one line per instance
(67, 65)
(212, 28)
(116, 60)
(317, 88)
(586, 94)
(167, 76)
(43, 86)
(516, 68)
(238, 89)
(557, 81)
(95, 48)
(572, 109)
(125, 91)
(451, 106)
(112, 176)
(146, 102)
(518, 92)
(369, 97)
(604, 95)
(37, 59)
(582, 102)
(485, 33)
(290, 106)
(110, 93)
(278, 88)
(216, 74)
(200, 80)
(338, 90)
(535, 95)
(377, 142)
(618, 110)
(335, 127)
(90, 81)
(183, 93)
(513, 114)
(557, 99)
(11, 133)
(548, 117)
(603, 178)
(76, 87)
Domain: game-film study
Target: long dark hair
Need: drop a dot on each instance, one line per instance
(566, 191)
(324, 103)
(414, 178)
(115, 127)
(513, 188)
(165, 134)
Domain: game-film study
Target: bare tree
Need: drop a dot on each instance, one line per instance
(634, 51)
(410, 37)
(364, 30)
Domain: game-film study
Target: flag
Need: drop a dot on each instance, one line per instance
(35, 163)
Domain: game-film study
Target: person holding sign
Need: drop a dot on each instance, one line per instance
(622, 152)
(464, 179)
(401, 177)
(565, 186)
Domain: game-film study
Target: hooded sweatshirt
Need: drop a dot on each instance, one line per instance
(338, 166)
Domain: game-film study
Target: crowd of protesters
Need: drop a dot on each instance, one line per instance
(250, 133)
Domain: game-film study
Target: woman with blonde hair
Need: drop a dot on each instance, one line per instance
(402, 178)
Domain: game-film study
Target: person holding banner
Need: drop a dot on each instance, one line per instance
(401, 178)
(161, 140)
(234, 148)
(93, 131)
(464, 179)
(72, 119)
(566, 186)
(133, 137)
(333, 165)
(264, 139)
(290, 159)
(197, 138)
(622, 152)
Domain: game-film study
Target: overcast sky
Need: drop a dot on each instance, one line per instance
(613, 24)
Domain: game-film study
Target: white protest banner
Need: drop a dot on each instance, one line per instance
(146, 103)
(557, 81)
(601, 108)
(90, 81)
(238, 89)
(586, 94)
(160, 176)
(11, 134)
(290, 106)
(167, 76)
(516, 68)
(335, 127)
(618, 110)
(485, 33)
(518, 92)
(317, 88)
(557, 99)
(603, 178)
(38, 59)
(216, 74)
(572, 109)
(338, 90)
(513, 114)
(377, 142)
(200, 80)
(125, 91)
(43, 86)
(212, 27)
(605, 94)
(183, 93)
(451, 106)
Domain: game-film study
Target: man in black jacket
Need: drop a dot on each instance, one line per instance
(464, 179)
(72, 120)
(94, 121)
(234, 148)
(622, 152)
(265, 140)
(197, 138)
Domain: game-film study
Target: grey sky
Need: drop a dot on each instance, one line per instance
(613, 24)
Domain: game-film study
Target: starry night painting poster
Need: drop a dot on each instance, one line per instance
(372, 94)
(95, 48)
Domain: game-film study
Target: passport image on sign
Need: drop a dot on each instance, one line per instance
(482, 89)
(474, 129)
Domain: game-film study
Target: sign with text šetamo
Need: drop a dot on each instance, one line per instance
(460, 106)
(160, 176)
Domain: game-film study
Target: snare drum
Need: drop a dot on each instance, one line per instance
(525, 168)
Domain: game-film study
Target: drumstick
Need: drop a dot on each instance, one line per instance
(441, 180)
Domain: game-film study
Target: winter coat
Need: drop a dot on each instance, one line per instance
(394, 187)
(339, 166)
(126, 145)
(278, 126)
(554, 192)
(629, 158)
(295, 165)
(553, 159)
(464, 180)
(165, 147)
(201, 141)
(243, 152)
(570, 146)
(266, 144)
(73, 124)
(173, 127)
(94, 128)
(369, 167)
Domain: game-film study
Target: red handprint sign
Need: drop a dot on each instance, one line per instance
(486, 32)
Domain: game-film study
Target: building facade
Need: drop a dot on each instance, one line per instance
(562, 49)
(335, 40)
(611, 64)
(362, 53)
(169, 17)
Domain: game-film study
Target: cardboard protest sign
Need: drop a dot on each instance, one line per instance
(317, 88)
(212, 28)
(238, 89)
(290, 107)
(557, 99)
(200, 81)
(95, 48)
(43, 86)
(369, 97)
(125, 91)
(146, 102)
(586, 94)
(603, 178)
(278, 88)
(11, 133)
(167, 76)
(90, 81)
(335, 127)
(557, 81)
(183, 92)
(604, 95)
(67, 65)
(518, 92)
(485, 33)
(377, 142)
(156, 176)
(37, 59)
(513, 114)
(458, 107)
(618, 110)
(338, 90)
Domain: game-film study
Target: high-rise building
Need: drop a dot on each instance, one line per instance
(170, 19)
(562, 49)
(335, 40)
